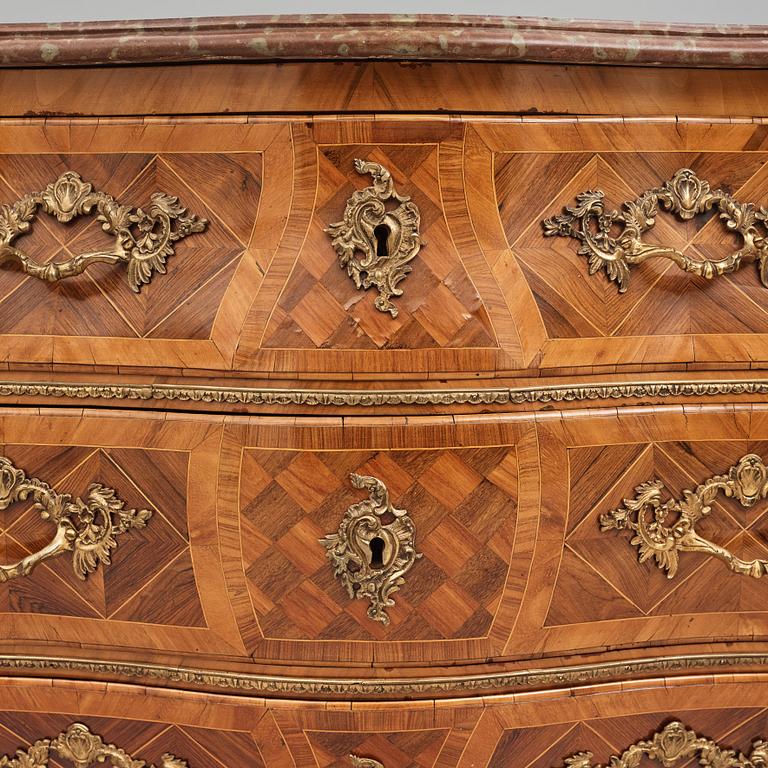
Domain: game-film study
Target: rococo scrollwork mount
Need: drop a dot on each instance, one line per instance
(87, 527)
(674, 744)
(388, 237)
(373, 549)
(663, 530)
(613, 241)
(143, 240)
(82, 749)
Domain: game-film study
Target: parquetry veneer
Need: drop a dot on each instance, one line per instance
(380, 428)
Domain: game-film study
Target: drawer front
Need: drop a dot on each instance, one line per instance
(196, 190)
(137, 572)
(284, 279)
(437, 554)
(600, 726)
(659, 521)
(511, 531)
(645, 294)
(310, 499)
(86, 725)
(535, 731)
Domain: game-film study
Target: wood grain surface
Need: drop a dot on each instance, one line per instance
(150, 596)
(260, 292)
(230, 574)
(511, 89)
(538, 730)
(523, 634)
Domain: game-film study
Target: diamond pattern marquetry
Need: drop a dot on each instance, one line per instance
(605, 565)
(547, 746)
(143, 739)
(462, 503)
(151, 577)
(320, 306)
(661, 299)
(179, 305)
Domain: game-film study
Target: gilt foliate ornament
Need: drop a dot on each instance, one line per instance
(373, 549)
(674, 745)
(386, 236)
(82, 749)
(364, 762)
(86, 527)
(663, 530)
(373, 398)
(612, 241)
(143, 240)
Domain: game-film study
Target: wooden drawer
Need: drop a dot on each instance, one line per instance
(159, 589)
(295, 486)
(658, 313)
(534, 731)
(491, 537)
(216, 171)
(260, 292)
(509, 526)
(90, 723)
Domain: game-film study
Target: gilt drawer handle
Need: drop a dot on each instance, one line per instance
(83, 749)
(674, 744)
(143, 239)
(388, 237)
(86, 527)
(613, 241)
(663, 539)
(373, 549)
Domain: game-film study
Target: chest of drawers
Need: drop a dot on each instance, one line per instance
(383, 393)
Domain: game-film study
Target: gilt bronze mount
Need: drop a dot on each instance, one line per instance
(364, 762)
(388, 237)
(662, 531)
(675, 744)
(613, 241)
(373, 549)
(143, 239)
(82, 749)
(86, 527)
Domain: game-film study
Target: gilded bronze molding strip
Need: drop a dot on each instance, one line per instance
(373, 549)
(87, 527)
(612, 241)
(374, 688)
(143, 239)
(663, 539)
(368, 398)
(387, 237)
(83, 749)
(674, 743)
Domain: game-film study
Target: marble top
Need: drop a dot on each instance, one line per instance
(392, 37)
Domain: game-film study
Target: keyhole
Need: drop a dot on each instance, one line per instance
(381, 233)
(377, 552)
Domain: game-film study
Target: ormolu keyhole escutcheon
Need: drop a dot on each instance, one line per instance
(373, 549)
(378, 236)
